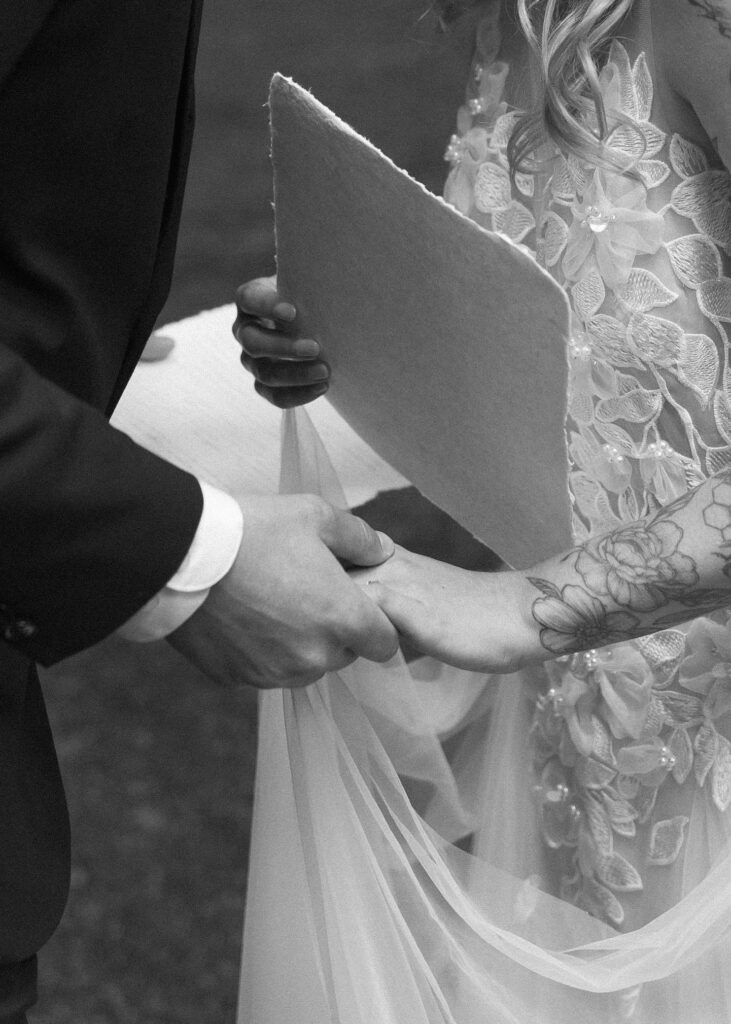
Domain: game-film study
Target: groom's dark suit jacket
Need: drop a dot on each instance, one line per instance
(95, 123)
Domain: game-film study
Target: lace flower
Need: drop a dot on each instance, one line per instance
(649, 762)
(637, 565)
(625, 682)
(706, 668)
(559, 815)
(574, 703)
(613, 224)
(466, 153)
(662, 472)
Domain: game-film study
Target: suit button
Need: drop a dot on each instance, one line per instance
(14, 629)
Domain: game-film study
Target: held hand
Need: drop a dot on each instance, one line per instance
(286, 367)
(475, 620)
(287, 612)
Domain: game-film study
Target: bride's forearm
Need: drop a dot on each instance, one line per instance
(640, 577)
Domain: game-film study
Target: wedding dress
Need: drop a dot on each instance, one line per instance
(438, 846)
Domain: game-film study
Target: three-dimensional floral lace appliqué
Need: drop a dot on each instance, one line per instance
(643, 259)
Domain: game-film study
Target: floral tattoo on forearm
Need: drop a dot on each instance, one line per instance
(637, 569)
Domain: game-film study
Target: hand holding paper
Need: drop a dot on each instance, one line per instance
(404, 294)
(284, 364)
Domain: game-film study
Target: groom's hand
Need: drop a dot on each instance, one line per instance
(287, 612)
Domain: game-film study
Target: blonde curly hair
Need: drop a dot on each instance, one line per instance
(567, 38)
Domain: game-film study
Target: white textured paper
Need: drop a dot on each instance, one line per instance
(198, 408)
(447, 343)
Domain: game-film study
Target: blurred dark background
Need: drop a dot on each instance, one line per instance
(158, 764)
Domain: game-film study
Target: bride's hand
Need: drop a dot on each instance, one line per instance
(475, 620)
(286, 367)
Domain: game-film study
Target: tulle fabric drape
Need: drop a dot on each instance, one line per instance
(364, 906)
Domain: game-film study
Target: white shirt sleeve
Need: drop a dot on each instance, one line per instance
(210, 556)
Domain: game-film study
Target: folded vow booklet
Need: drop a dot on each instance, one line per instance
(448, 344)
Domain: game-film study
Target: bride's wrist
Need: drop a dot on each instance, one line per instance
(520, 631)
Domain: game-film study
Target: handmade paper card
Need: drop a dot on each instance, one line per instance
(448, 344)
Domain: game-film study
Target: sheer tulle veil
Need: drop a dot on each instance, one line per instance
(393, 882)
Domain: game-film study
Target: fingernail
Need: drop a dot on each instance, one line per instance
(318, 372)
(284, 311)
(306, 348)
(386, 543)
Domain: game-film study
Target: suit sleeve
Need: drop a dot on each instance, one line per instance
(91, 524)
(94, 110)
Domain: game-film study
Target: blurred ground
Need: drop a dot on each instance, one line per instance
(158, 765)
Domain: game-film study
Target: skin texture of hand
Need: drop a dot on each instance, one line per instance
(644, 576)
(285, 366)
(474, 620)
(287, 612)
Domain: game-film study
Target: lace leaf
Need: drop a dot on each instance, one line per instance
(664, 650)
(645, 803)
(515, 222)
(599, 825)
(635, 407)
(492, 188)
(666, 840)
(653, 172)
(603, 902)
(645, 291)
(588, 295)
(706, 748)
(701, 197)
(654, 138)
(717, 459)
(621, 813)
(655, 339)
(686, 158)
(617, 437)
(714, 299)
(609, 341)
(643, 87)
(694, 259)
(618, 874)
(724, 404)
(625, 827)
(683, 708)
(698, 365)
(555, 236)
(602, 746)
(592, 775)
(629, 507)
(682, 750)
(620, 58)
(721, 775)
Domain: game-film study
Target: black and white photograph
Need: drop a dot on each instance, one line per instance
(365, 511)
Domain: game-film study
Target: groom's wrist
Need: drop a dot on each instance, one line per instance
(209, 558)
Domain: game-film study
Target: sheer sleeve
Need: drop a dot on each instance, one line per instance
(693, 44)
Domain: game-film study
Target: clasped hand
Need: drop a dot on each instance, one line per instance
(287, 612)
(473, 620)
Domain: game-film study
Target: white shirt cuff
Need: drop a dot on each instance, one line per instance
(210, 556)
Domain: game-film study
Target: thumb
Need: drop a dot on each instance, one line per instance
(352, 540)
(411, 617)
